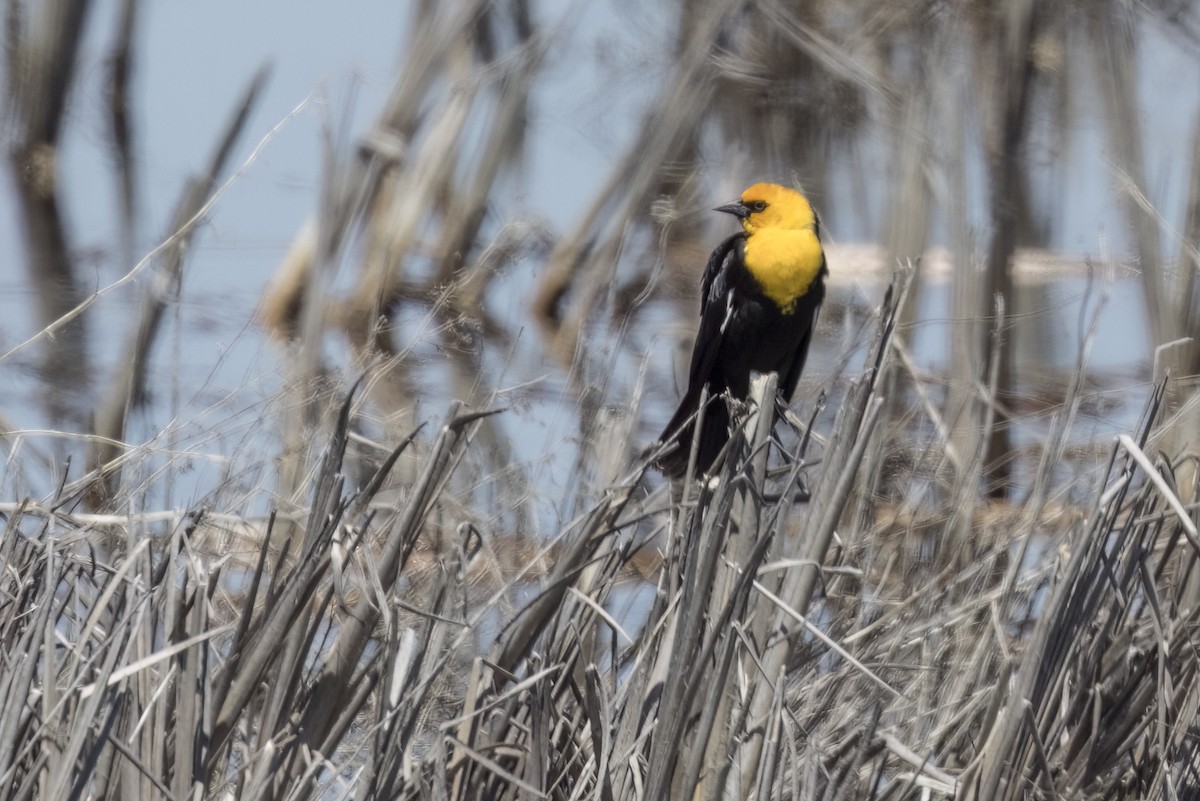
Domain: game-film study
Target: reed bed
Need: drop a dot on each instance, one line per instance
(880, 597)
(793, 648)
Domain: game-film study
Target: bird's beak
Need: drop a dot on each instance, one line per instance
(737, 208)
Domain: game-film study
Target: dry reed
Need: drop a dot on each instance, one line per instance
(811, 627)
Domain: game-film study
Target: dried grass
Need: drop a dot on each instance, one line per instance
(790, 650)
(808, 628)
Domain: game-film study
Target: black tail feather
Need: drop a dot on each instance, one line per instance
(714, 433)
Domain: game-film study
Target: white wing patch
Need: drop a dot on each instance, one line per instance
(728, 311)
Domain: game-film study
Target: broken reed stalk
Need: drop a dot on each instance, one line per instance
(734, 574)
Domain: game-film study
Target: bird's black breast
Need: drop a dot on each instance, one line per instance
(743, 331)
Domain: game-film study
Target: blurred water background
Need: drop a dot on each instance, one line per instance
(643, 115)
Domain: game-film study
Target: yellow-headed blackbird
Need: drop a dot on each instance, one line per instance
(758, 307)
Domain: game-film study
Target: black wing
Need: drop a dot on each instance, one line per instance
(715, 300)
(717, 267)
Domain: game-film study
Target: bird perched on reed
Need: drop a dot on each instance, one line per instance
(759, 299)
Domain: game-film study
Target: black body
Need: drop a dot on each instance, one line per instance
(741, 331)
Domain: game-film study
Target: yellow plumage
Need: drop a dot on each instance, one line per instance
(783, 252)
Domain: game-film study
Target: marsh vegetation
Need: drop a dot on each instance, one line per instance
(963, 564)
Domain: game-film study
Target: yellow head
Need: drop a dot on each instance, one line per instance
(772, 206)
(783, 245)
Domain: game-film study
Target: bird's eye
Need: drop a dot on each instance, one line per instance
(759, 205)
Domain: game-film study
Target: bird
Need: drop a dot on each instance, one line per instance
(759, 298)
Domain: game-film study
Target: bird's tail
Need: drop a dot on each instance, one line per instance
(714, 433)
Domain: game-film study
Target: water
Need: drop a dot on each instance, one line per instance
(214, 371)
